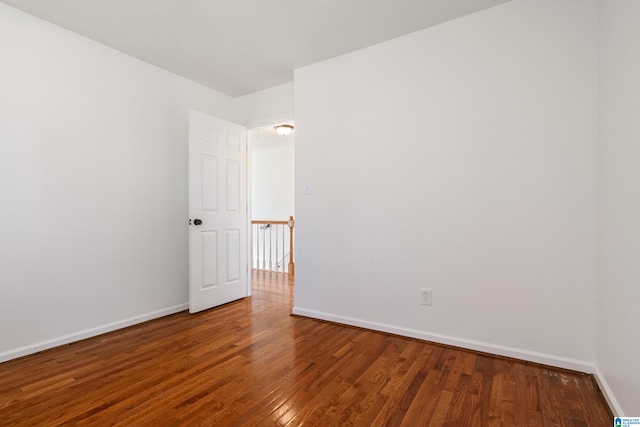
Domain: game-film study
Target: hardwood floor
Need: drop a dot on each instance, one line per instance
(251, 363)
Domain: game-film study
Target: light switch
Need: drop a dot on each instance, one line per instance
(307, 188)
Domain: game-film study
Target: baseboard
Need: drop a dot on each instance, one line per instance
(530, 356)
(88, 333)
(608, 394)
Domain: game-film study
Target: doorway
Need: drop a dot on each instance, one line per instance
(272, 179)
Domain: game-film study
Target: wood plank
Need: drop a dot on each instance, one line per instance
(251, 362)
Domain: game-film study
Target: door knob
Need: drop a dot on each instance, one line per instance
(197, 221)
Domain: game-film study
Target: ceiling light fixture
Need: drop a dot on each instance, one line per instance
(283, 130)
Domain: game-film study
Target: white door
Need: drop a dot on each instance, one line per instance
(217, 212)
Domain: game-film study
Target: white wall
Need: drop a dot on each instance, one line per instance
(460, 158)
(93, 179)
(272, 175)
(618, 334)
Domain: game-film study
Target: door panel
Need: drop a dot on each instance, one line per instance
(233, 186)
(218, 244)
(209, 240)
(209, 182)
(233, 256)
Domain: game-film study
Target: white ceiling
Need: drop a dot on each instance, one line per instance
(238, 47)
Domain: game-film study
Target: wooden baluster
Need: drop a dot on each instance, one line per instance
(291, 263)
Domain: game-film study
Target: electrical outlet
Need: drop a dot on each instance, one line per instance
(425, 297)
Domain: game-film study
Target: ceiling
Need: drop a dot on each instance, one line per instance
(238, 47)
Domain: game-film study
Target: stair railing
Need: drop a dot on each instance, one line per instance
(270, 243)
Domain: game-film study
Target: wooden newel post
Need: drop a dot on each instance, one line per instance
(292, 265)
